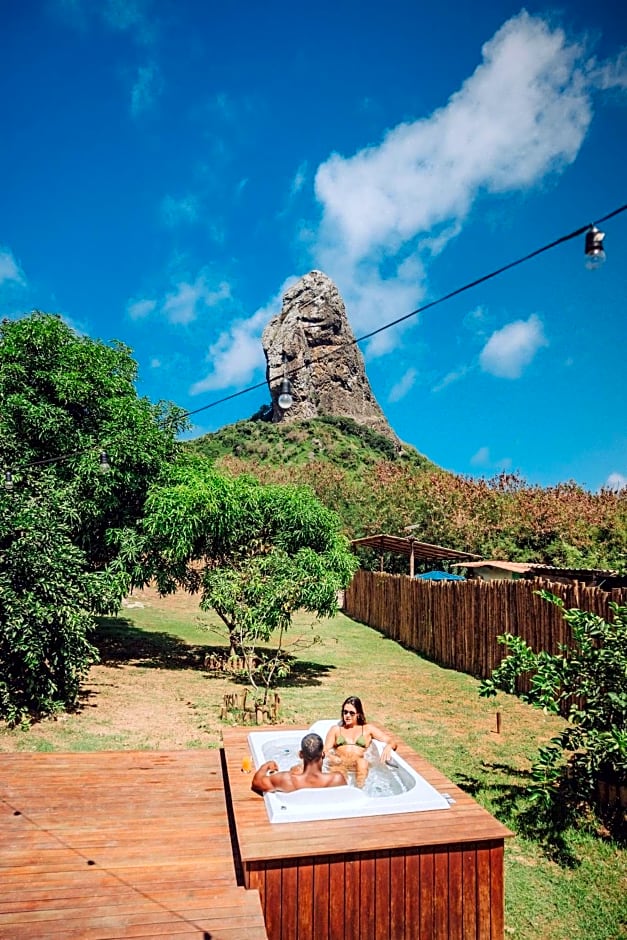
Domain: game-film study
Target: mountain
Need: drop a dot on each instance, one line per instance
(333, 439)
(376, 486)
(311, 345)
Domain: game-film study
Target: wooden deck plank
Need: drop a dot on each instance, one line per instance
(412, 896)
(305, 920)
(321, 899)
(119, 845)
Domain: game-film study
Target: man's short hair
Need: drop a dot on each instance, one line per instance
(312, 747)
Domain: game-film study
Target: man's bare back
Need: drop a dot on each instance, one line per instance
(268, 777)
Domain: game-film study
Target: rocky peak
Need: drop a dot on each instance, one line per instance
(311, 343)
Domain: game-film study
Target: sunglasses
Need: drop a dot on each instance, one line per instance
(347, 711)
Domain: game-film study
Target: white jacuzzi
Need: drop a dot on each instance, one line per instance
(394, 787)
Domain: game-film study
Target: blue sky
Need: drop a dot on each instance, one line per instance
(168, 167)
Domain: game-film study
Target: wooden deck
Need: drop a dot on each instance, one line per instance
(398, 877)
(118, 845)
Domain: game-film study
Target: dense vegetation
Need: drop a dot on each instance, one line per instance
(257, 554)
(73, 540)
(65, 399)
(376, 489)
(587, 681)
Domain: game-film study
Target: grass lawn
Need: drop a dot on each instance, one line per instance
(151, 691)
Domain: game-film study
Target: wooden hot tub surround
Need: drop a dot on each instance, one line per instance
(411, 876)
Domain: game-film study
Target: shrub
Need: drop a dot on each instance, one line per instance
(586, 681)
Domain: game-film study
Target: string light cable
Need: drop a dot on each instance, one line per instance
(584, 229)
(594, 250)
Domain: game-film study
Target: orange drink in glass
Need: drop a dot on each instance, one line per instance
(247, 764)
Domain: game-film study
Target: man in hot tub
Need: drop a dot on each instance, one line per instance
(269, 777)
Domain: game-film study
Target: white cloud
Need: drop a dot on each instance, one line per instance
(138, 309)
(476, 320)
(185, 302)
(510, 350)
(175, 211)
(238, 352)
(300, 178)
(146, 89)
(122, 14)
(155, 363)
(450, 378)
(128, 16)
(297, 185)
(9, 268)
(521, 115)
(612, 74)
(235, 355)
(138, 21)
(616, 481)
(403, 386)
(481, 458)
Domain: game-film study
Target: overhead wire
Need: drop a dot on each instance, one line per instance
(428, 306)
(365, 336)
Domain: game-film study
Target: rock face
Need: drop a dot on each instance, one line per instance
(310, 342)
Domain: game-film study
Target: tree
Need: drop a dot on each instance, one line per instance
(63, 399)
(587, 681)
(256, 553)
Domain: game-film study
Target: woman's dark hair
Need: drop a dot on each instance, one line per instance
(359, 708)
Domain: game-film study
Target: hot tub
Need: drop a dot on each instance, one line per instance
(394, 787)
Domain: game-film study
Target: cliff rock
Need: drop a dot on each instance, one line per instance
(311, 343)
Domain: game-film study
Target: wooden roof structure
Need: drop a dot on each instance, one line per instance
(414, 549)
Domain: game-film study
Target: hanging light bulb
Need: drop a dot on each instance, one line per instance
(105, 466)
(595, 254)
(285, 399)
(8, 480)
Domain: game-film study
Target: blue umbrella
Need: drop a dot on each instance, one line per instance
(440, 576)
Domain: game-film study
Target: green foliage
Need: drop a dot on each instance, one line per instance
(63, 398)
(44, 596)
(64, 394)
(258, 598)
(338, 441)
(587, 681)
(351, 470)
(256, 553)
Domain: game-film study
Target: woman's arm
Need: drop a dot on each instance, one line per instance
(389, 741)
(329, 741)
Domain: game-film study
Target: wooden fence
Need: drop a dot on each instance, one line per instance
(456, 623)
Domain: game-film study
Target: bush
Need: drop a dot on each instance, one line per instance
(45, 593)
(586, 681)
(65, 397)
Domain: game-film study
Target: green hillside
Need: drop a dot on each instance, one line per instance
(338, 441)
(375, 487)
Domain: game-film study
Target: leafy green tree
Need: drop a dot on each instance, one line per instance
(44, 621)
(586, 681)
(255, 553)
(64, 398)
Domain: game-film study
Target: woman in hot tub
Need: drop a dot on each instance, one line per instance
(347, 742)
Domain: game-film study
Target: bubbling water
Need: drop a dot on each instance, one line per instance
(283, 751)
(382, 779)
